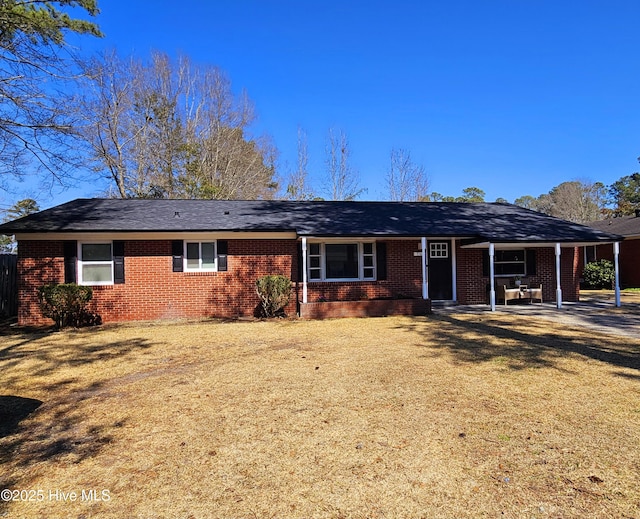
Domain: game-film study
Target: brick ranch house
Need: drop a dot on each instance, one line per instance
(629, 227)
(154, 259)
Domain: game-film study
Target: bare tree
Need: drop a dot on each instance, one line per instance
(172, 130)
(298, 187)
(406, 180)
(105, 117)
(342, 178)
(576, 201)
(35, 129)
(161, 141)
(230, 163)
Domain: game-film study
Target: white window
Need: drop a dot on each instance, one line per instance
(315, 261)
(590, 254)
(95, 263)
(439, 250)
(341, 261)
(200, 255)
(368, 261)
(510, 262)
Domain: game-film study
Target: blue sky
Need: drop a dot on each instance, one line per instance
(511, 96)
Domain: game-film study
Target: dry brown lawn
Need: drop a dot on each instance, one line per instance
(446, 416)
(628, 297)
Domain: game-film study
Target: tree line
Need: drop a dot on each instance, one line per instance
(163, 128)
(154, 128)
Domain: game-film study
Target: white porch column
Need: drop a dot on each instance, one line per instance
(492, 286)
(425, 280)
(454, 273)
(616, 253)
(558, 288)
(304, 269)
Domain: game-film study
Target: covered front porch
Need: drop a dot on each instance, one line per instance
(506, 273)
(407, 275)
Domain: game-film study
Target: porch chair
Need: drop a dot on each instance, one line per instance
(507, 294)
(535, 293)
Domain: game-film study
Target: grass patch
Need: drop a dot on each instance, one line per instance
(446, 416)
(628, 295)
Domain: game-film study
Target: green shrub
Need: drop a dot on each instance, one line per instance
(66, 304)
(599, 274)
(274, 292)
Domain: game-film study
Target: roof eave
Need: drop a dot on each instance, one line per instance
(484, 243)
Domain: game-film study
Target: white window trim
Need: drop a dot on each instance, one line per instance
(81, 281)
(439, 250)
(200, 268)
(323, 263)
(586, 254)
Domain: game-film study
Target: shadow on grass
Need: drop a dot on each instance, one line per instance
(48, 357)
(59, 427)
(14, 409)
(54, 431)
(495, 340)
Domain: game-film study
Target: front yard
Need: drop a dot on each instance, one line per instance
(445, 416)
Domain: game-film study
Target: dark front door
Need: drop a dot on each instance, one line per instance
(440, 272)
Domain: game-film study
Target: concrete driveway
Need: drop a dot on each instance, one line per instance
(601, 315)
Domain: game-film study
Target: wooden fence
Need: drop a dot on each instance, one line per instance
(8, 285)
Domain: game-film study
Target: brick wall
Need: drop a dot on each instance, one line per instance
(153, 291)
(471, 284)
(372, 308)
(629, 262)
(39, 263)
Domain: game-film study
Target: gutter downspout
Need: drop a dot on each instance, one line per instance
(492, 286)
(425, 282)
(616, 253)
(454, 268)
(304, 269)
(558, 288)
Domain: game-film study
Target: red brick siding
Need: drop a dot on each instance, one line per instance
(629, 262)
(39, 263)
(470, 283)
(372, 308)
(152, 290)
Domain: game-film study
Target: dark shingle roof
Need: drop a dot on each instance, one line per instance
(481, 221)
(628, 226)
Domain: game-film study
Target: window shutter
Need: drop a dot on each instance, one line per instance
(299, 272)
(531, 262)
(223, 251)
(381, 260)
(118, 262)
(177, 251)
(485, 262)
(70, 261)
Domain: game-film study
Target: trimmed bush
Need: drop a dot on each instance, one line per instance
(599, 274)
(66, 304)
(274, 292)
